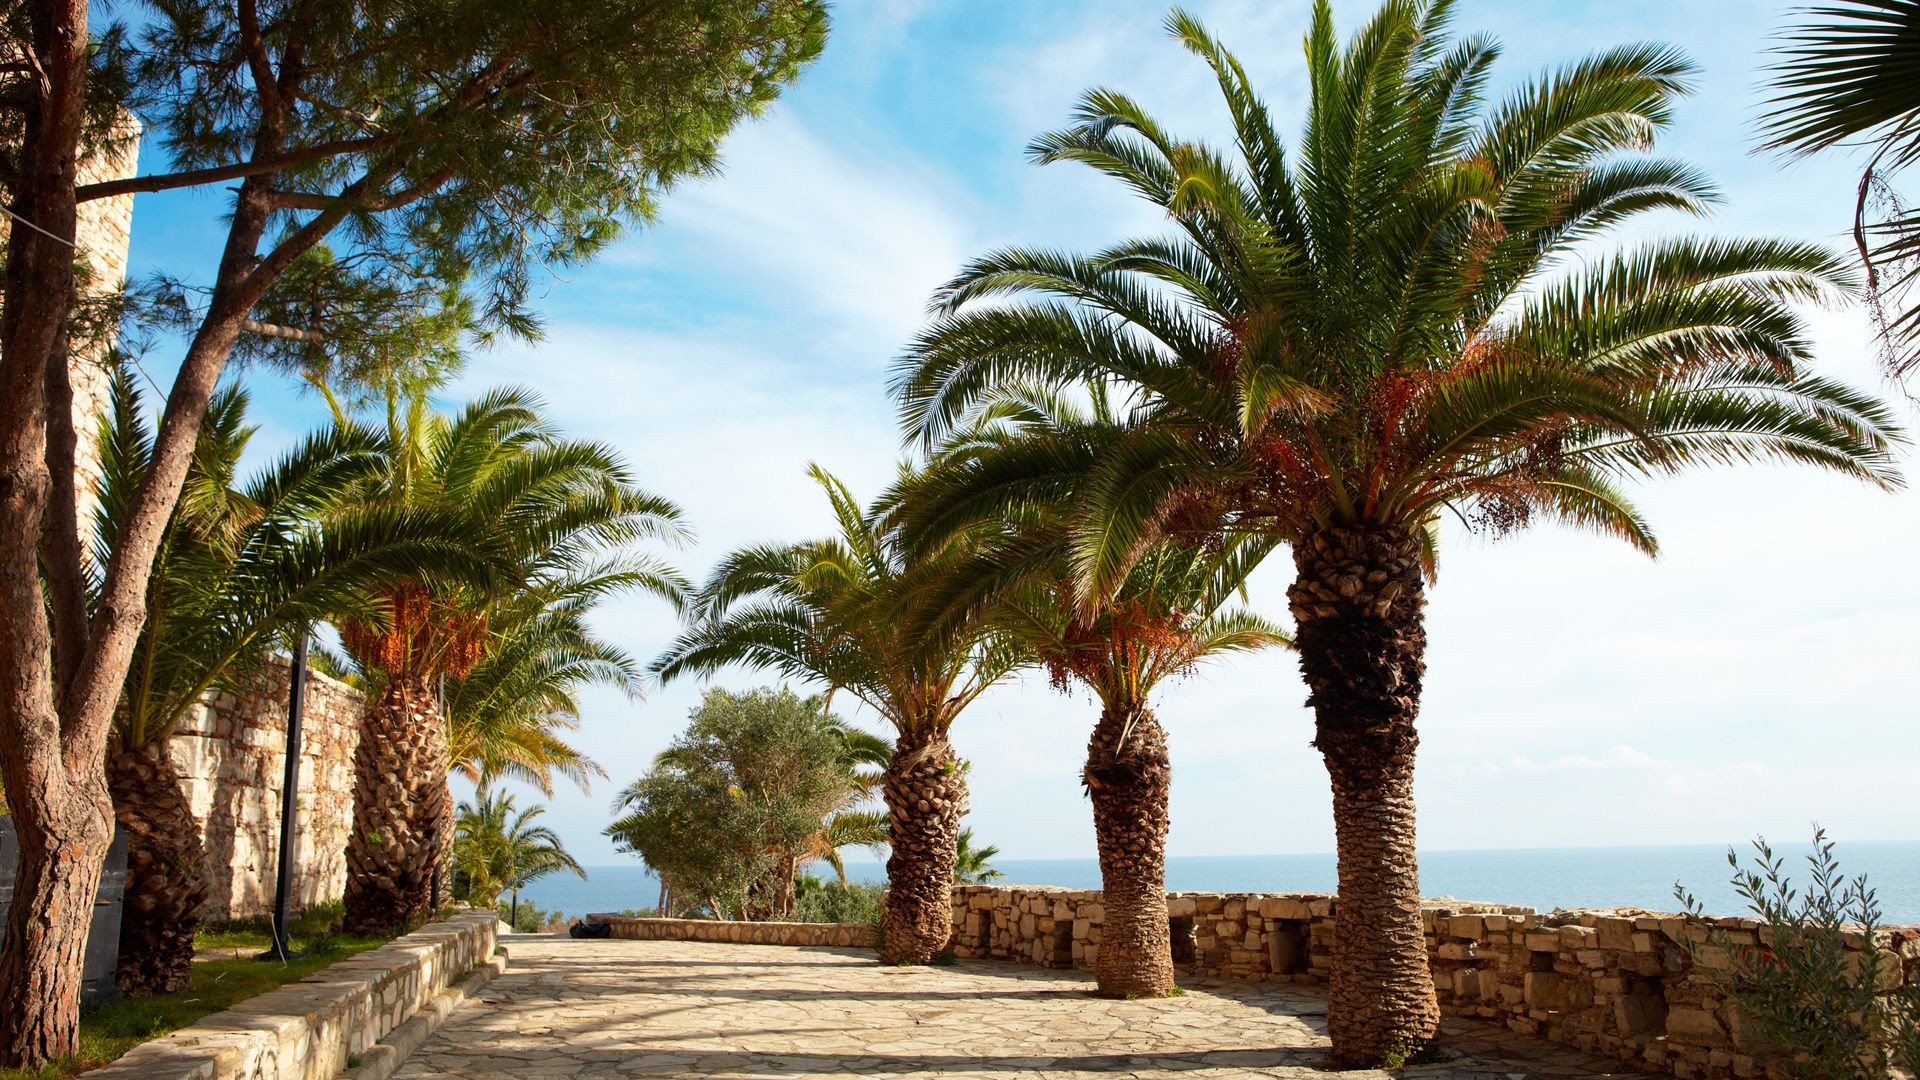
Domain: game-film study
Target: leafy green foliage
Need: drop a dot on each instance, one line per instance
(857, 611)
(731, 809)
(457, 144)
(498, 848)
(561, 513)
(1851, 74)
(1823, 985)
(974, 865)
(525, 918)
(838, 902)
(1018, 462)
(242, 564)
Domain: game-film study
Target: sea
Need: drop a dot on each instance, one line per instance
(1542, 879)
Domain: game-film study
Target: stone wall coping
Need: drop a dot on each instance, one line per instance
(310, 1029)
(611, 918)
(734, 932)
(1433, 905)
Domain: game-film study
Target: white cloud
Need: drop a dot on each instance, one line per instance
(833, 233)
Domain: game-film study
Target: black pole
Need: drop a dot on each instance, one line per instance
(289, 801)
(439, 827)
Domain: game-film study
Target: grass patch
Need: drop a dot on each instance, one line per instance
(224, 973)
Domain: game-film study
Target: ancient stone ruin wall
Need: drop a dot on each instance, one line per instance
(1613, 982)
(232, 751)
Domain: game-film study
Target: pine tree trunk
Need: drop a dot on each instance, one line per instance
(1128, 777)
(926, 793)
(63, 845)
(399, 807)
(166, 872)
(1359, 603)
(55, 786)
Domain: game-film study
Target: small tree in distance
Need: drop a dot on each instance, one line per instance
(729, 811)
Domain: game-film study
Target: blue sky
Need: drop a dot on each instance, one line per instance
(1757, 677)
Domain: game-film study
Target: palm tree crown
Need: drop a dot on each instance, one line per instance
(1387, 326)
(552, 507)
(850, 611)
(1853, 75)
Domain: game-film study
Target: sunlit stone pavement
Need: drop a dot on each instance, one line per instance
(612, 1009)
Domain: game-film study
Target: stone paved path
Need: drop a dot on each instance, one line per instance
(620, 1009)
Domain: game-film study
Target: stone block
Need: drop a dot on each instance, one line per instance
(1473, 927)
(1696, 1027)
(1542, 990)
(1573, 938)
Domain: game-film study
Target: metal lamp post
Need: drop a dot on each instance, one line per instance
(289, 804)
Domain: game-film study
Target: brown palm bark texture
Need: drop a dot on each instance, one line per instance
(166, 872)
(1128, 777)
(400, 783)
(925, 788)
(1359, 601)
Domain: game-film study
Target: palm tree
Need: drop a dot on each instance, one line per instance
(509, 714)
(1166, 617)
(557, 510)
(974, 865)
(240, 566)
(1854, 76)
(848, 612)
(497, 848)
(1335, 349)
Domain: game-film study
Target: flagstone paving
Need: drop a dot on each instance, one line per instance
(620, 1009)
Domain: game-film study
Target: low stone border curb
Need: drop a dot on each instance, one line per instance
(308, 1030)
(384, 1058)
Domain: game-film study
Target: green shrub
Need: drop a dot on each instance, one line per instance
(531, 919)
(832, 902)
(1828, 1007)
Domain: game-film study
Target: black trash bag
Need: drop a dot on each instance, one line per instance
(584, 929)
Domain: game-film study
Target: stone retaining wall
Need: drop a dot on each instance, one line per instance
(837, 935)
(1614, 982)
(309, 1030)
(231, 751)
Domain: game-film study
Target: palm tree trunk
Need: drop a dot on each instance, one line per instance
(1127, 777)
(399, 807)
(166, 872)
(1359, 602)
(926, 794)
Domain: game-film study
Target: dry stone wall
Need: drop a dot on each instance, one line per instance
(840, 935)
(231, 751)
(1616, 982)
